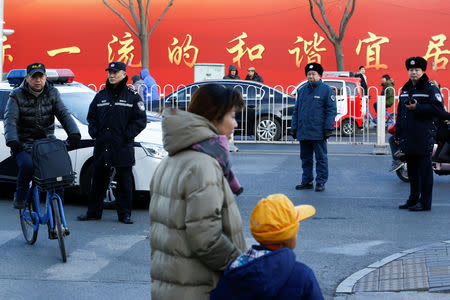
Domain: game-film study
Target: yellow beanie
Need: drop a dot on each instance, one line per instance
(275, 219)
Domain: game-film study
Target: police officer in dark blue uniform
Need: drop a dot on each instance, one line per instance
(420, 104)
(312, 124)
(116, 116)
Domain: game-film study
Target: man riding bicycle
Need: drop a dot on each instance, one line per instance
(30, 116)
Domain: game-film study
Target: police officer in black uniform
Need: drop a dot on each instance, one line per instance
(116, 116)
(419, 106)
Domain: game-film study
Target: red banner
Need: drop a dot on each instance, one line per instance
(277, 38)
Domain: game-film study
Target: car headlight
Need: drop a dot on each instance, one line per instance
(154, 150)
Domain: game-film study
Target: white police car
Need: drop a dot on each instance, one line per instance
(77, 97)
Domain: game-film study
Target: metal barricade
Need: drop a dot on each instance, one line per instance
(267, 114)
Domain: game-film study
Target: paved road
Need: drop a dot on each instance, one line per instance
(357, 223)
(357, 220)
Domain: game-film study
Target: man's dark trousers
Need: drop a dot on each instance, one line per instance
(319, 149)
(24, 174)
(420, 173)
(100, 181)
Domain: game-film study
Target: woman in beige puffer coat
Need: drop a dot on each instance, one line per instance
(195, 225)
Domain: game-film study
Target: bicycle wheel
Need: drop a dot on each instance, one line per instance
(59, 228)
(28, 221)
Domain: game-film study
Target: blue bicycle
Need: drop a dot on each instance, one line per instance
(52, 172)
(390, 117)
(53, 215)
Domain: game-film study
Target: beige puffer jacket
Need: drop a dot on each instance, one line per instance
(195, 225)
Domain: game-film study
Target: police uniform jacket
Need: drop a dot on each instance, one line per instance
(415, 128)
(116, 117)
(29, 118)
(314, 111)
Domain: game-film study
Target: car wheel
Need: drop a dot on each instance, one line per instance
(268, 129)
(348, 127)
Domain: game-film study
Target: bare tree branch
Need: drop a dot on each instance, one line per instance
(141, 27)
(123, 3)
(325, 19)
(120, 16)
(335, 39)
(134, 15)
(311, 8)
(346, 17)
(140, 15)
(147, 16)
(162, 15)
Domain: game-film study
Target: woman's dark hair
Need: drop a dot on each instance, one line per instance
(214, 101)
(386, 76)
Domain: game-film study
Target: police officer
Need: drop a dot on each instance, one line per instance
(30, 116)
(419, 106)
(116, 116)
(312, 124)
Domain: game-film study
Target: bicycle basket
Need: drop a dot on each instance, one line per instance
(52, 165)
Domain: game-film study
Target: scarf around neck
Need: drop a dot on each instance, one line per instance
(217, 147)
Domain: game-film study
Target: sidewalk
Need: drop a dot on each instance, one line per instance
(419, 273)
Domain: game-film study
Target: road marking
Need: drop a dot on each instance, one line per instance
(7, 235)
(356, 249)
(89, 260)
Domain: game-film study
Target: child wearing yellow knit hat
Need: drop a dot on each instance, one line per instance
(269, 270)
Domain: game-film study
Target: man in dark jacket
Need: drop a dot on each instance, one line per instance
(312, 124)
(388, 90)
(253, 76)
(420, 104)
(362, 75)
(269, 270)
(30, 116)
(232, 73)
(116, 116)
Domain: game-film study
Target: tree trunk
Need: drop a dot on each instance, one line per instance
(339, 56)
(144, 50)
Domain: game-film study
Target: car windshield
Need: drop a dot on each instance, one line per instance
(78, 103)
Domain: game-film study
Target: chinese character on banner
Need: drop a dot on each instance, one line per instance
(125, 53)
(434, 50)
(70, 50)
(253, 53)
(373, 51)
(179, 52)
(6, 46)
(310, 49)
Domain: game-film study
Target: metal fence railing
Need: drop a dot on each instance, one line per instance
(267, 115)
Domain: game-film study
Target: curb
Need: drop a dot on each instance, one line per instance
(346, 286)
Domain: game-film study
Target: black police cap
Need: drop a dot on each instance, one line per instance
(116, 66)
(34, 68)
(314, 67)
(416, 62)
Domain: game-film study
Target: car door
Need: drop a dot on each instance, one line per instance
(341, 96)
(8, 168)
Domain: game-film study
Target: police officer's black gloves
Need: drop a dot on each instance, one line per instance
(74, 140)
(327, 133)
(15, 146)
